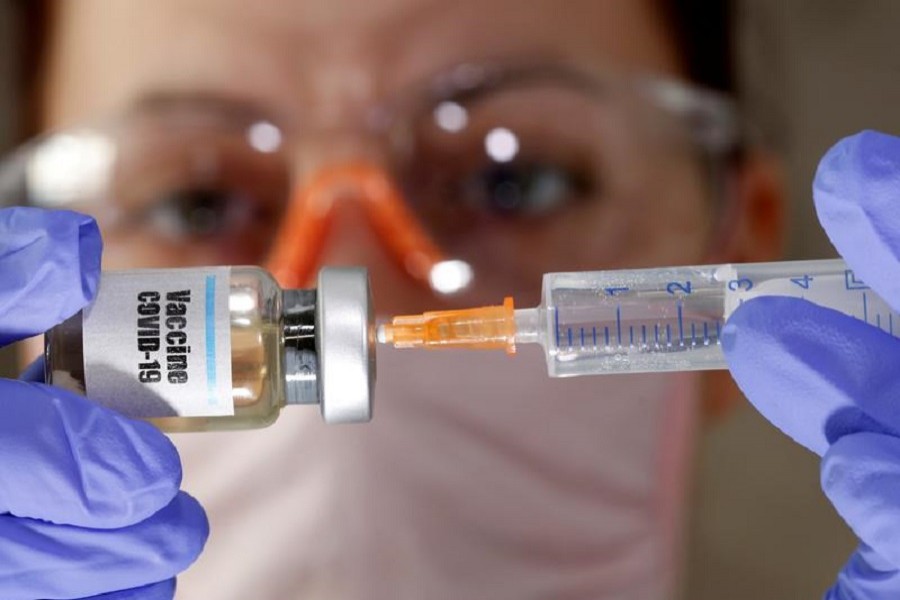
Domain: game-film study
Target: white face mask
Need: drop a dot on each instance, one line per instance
(479, 473)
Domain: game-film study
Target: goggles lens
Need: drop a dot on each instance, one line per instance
(492, 183)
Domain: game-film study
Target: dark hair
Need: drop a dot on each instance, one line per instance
(32, 31)
(703, 33)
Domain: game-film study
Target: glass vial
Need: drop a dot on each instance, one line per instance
(217, 348)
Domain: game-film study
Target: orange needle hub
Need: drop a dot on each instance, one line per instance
(488, 327)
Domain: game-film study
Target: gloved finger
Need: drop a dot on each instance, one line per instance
(43, 560)
(861, 477)
(815, 373)
(163, 590)
(866, 576)
(34, 372)
(49, 268)
(857, 192)
(67, 460)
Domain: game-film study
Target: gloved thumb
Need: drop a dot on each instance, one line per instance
(815, 373)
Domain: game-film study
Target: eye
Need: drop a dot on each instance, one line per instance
(525, 189)
(202, 212)
(206, 187)
(523, 153)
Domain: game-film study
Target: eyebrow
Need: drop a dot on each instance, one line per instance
(228, 106)
(472, 79)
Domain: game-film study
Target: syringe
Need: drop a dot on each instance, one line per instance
(644, 320)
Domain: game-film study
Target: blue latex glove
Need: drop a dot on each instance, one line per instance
(832, 382)
(89, 500)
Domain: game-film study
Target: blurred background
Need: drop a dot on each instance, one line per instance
(811, 72)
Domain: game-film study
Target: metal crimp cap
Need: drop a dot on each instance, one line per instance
(345, 344)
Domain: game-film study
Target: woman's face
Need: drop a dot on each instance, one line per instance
(538, 176)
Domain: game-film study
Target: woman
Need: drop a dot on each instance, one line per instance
(525, 138)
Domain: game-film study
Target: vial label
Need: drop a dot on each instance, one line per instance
(157, 343)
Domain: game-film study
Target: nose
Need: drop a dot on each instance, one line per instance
(366, 188)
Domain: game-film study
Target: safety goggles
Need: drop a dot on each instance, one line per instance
(488, 176)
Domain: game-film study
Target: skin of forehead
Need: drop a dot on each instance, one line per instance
(321, 60)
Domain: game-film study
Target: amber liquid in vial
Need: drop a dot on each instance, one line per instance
(257, 390)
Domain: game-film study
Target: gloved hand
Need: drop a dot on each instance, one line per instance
(831, 381)
(89, 500)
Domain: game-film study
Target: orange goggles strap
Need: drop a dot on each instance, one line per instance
(298, 245)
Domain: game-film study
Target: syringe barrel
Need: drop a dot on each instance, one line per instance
(671, 319)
